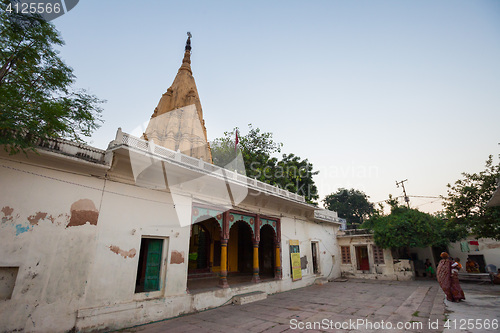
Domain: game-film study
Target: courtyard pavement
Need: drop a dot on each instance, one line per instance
(352, 306)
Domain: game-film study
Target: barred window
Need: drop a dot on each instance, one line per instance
(378, 255)
(346, 254)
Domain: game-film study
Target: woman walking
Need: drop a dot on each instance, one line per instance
(448, 280)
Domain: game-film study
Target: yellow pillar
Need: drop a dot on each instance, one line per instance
(277, 274)
(255, 277)
(223, 264)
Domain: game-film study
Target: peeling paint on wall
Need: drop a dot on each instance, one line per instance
(21, 229)
(8, 214)
(83, 211)
(33, 219)
(177, 257)
(7, 210)
(125, 254)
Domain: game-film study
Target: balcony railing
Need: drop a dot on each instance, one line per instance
(74, 149)
(200, 165)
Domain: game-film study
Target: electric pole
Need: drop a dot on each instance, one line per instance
(402, 183)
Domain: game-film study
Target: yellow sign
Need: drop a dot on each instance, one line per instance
(295, 260)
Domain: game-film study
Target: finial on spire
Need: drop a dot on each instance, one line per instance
(188, 42)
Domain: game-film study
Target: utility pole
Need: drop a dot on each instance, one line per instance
(402, 183)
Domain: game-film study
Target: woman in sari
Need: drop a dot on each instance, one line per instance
(448, 280)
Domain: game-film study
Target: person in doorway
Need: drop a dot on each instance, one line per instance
(448, 280)
(429, 269)
(471, 266)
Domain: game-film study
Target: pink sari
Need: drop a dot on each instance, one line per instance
(449, 281)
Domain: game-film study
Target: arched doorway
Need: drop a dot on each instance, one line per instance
(204, 248)
(199, 250)
(240, 249)
(266, 252)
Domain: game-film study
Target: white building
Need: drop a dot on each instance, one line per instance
(94, 239)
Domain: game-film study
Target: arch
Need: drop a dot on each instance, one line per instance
(267, 252)
(248, 219)
(240, 248)
(203, 246)
(199, 214)
(206, 219)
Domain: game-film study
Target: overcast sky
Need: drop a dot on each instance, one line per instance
(370, 92)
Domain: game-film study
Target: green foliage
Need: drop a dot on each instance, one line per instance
(407, 227)
(353, 205)
(257, 149)
(466, 202)
(295, 175)
(36, 99)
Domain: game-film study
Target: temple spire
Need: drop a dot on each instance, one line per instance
(188, 42)
(186, 61)
(177, 122)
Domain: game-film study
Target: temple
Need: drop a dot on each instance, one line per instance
(177, 122)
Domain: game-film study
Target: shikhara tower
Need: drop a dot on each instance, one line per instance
(177, 122)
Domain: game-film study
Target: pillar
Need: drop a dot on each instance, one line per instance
(223, 264)
(224, 238)
(277, 261)
(255, 277)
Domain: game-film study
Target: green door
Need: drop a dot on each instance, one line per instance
(153, 265)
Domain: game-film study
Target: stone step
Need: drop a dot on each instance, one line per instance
(249, 297)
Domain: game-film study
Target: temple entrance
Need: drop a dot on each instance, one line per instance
(199, 250)
(240, 249)
(266, 252)
(203, 244)
(223, 251)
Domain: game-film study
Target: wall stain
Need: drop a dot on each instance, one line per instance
(8, 214)
(33, 219)
(7, 210)
(130, 254)
(177, 257)
(83, 211)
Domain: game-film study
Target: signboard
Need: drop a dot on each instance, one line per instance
(295, 260)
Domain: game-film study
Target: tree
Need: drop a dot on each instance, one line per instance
(353, 205)
(465, 204)
(407, 227)
(36, 99)
(257, 149)
(295, 175)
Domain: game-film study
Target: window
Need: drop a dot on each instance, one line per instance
(346, 254)
(378, 255)
(148, 272)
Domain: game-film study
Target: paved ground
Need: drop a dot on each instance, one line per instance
(479, 311)
(353, 306)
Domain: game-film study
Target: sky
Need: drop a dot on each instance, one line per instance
(370, 92)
